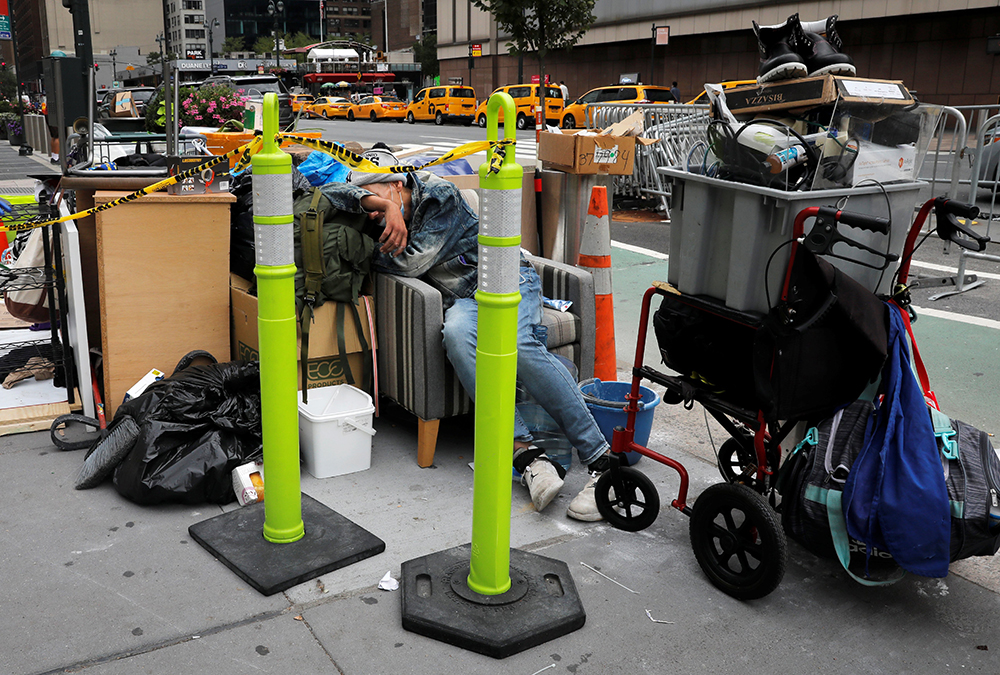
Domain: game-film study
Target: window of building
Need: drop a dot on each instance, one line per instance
(192, 4)
(194, 18)
(194, 34)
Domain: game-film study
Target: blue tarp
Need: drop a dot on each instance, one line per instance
(320, 169)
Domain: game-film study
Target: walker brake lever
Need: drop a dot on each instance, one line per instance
(949, 227)
(824, 235)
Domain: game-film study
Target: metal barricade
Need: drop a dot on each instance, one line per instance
(983, 155)
(676, 126)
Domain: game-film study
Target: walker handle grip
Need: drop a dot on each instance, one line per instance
(864, 222)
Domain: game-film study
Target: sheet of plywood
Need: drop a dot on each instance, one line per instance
(163, 266)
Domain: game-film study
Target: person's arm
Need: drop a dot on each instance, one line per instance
(438, 224)
(354, 199)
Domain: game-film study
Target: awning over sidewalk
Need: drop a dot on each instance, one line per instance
(349, 77)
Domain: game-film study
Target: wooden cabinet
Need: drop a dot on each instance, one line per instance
(162, 273)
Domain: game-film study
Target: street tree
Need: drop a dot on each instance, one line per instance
(541, 26)
(264, 44)
(234, 43)
(425, 51)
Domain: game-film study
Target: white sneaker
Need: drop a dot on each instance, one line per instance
(543, 482)
(584, 505)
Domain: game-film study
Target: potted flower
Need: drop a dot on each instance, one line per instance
(15, 132)
(211, 106)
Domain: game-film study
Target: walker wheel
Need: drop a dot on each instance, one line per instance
(735, 457)
(638, 504)
(737, 541)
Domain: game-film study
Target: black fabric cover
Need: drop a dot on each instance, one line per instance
(825, 356)
(706, 346)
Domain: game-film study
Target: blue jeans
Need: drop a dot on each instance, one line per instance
(541, 373)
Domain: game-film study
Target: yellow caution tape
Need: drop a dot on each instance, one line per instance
(356, 161)
(248, 150)
(243, 152)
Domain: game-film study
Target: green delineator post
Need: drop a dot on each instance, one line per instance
(485, 596)
(275, 271)
(496, 358)
(267, 544)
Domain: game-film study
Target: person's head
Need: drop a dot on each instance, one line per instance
(391, 186)
(674, 84)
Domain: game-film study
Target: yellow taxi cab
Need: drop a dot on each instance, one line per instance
(442, 104)
(703, 97)
(300, 101)
(327, 107)
(377, 108)
(575, 113)
(526, 100)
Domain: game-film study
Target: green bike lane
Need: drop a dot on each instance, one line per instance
(962, 354)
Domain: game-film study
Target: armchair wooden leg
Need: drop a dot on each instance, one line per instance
(427, 434)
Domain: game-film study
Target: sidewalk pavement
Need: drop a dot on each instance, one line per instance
(95, 584)
(15, 169)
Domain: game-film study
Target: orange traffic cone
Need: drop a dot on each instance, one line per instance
(595, 255)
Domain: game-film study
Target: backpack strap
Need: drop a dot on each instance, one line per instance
(944, 433)
(364, 382)
(838, 530)
(311, 240)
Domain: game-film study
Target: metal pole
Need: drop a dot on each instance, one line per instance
(496, 359)
(652, 53)
(275, 270)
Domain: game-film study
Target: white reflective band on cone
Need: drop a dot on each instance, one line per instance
(500, 213)
(602, 279)
(274, 244)
(499, 269)
(272, 194)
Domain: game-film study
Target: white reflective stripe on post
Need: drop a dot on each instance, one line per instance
(272, 194)
(499, 269)
(602, 280)
(500, 213)
(274, 244)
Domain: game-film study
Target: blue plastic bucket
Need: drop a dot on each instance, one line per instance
(607, 401)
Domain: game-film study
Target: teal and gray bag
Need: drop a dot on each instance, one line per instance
(811, 482)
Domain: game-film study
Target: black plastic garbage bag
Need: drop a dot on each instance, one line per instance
(195, 427)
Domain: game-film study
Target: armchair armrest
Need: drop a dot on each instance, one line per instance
(566, 282)
(412, 367)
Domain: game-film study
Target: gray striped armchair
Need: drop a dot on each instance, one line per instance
(413, 369)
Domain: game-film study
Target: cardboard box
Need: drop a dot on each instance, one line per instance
(583, 152)
(809, 92)
(215, 179)
(327, 365)
(123, 105)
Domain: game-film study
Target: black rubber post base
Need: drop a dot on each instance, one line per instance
(331, 541)
(541, 605)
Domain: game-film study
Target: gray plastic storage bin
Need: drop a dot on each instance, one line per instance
(722, 234)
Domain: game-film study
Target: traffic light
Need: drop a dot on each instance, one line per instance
(97, 66)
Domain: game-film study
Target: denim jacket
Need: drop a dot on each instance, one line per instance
(442, 245)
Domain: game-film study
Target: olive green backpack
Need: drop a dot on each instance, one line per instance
(332, 259)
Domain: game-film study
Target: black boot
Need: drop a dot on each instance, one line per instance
(779, 59)
(819, 45)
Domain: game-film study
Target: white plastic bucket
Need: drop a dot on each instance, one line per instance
(335, 430)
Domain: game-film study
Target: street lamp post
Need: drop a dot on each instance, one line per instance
(211, 49)
(114, 69)
(274, 9)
